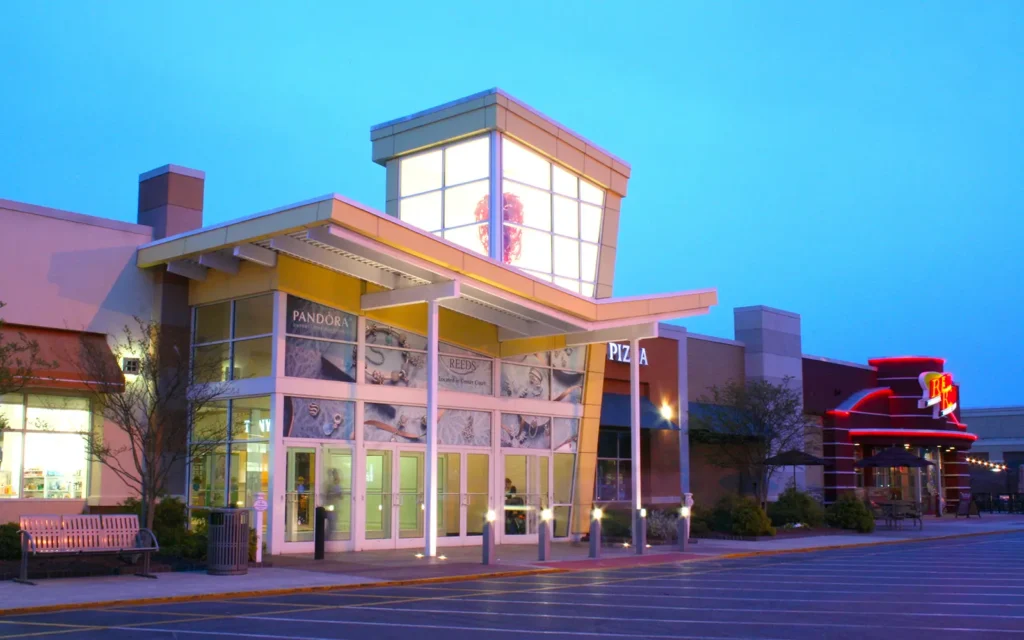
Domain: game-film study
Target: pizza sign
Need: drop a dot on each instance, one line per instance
(939, 392)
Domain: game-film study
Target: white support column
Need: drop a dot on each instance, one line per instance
(430, 496)
(496, 200)
(634, 417)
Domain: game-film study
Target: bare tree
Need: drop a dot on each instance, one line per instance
(155, 409)
(19, 363)
(750, 422)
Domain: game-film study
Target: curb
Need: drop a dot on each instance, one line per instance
(260, 593)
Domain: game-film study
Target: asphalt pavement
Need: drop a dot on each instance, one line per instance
(959, 588)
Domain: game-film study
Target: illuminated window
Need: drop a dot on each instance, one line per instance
(552, 220)
(445, 191)
(44, 452)
(231, 340)
(234, 462)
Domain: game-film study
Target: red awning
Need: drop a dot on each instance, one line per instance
(64, 352)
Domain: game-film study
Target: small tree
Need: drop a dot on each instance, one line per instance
(751, 422)
(19, 363)
(155, 410)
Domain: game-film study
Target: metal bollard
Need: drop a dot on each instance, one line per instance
(683, 528)
(488, 541)
(640, 531)
(319, 532)
(595, 532)
(544, 536)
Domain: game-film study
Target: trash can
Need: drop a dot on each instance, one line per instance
(227, 551)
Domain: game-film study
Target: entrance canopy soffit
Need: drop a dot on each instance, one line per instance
(343, 236)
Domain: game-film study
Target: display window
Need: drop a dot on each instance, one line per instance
(551, 375)
(236, 463)
(232, 340)
(44, 447)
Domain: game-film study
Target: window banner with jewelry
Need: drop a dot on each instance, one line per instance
(556, 375)
(312, 320)
(398, 358)
(400, 423)
(319, 360)
(319, 418)
(566, 433)
(319, 354)
(525, 432)
(462, 370)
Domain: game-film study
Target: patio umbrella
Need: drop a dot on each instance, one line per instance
(795, 458)
(893, 457)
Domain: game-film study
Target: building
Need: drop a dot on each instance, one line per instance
(413, 370)
(410, 370)
(997, 459)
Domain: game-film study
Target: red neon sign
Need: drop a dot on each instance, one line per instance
(939, 393)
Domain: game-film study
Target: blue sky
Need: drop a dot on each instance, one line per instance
(858, 163)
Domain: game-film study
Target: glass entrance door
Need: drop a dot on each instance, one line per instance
(394, 513)
(463, 480)
(526, 493)
(336, 492)
(299, 494)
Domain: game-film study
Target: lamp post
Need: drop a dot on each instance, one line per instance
(488, 541)
(595, 532)
(544, 536)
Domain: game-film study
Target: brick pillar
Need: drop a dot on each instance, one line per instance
(956, 477)
(837, 449)
(171, 201)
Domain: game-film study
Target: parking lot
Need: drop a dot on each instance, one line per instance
(941, 589)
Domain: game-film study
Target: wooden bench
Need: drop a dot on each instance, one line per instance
(51, 536)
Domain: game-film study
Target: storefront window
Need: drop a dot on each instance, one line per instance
(234, 467)
(552, 220)
(445, 191)
(519, 431)
(551, 375)
(44, 447)
(396, 357)
(614, 480)
(320, 342)
(232, 340)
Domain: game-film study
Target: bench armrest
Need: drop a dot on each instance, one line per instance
(26, 537)
(147, 540)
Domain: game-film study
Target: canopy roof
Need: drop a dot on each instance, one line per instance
(344, 236)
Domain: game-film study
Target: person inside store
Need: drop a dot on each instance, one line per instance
(302, 499)
(515, 519)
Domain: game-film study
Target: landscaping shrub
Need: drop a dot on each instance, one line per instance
(796, 507)
(749, 519)
(661, 524)
(10, 541)
(720, 518)
(700, 521)
(848, 512)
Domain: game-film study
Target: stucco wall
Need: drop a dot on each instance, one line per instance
(711, 363)
(69, 271)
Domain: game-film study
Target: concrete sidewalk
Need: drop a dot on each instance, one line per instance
(347, 570)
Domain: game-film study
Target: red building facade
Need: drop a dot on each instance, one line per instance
(911, 402)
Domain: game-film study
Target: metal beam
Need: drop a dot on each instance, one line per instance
(323, 257)
(256, 254)
(508, 325)
(618, 334)
(190, 270)
(334, 236)
(220, 262)
(409, 295)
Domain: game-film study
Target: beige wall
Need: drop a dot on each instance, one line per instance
(712, 363)
(68, 271)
